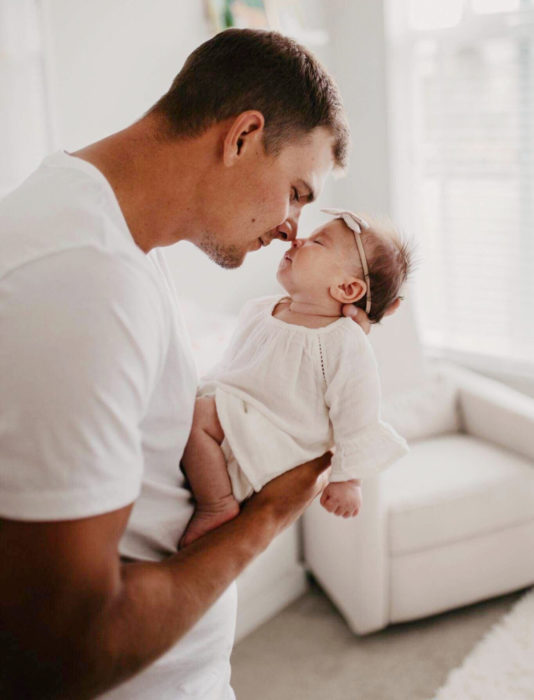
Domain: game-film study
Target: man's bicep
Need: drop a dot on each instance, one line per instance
(57, 572)
(81, 350)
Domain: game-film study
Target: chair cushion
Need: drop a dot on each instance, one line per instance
(453, 487)
(428, 409)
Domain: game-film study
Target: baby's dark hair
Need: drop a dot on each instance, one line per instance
(390, 262)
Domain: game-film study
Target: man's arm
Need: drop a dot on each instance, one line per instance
(74, 621)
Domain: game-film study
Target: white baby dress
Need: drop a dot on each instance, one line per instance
(286, 394)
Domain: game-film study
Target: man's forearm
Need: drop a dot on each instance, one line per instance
(155, 605)
(160, 602)
(84, 623)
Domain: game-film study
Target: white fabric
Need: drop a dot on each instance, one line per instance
(459, 573)
(287, 393)
(350, 558)
(495, 412)
(455, 487)
(399, 355)
(97, 387)
(426, 410)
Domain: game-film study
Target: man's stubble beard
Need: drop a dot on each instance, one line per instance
(228, 257)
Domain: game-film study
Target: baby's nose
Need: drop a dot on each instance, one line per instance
(297, 242)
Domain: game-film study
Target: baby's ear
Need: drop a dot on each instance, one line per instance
(348, 291)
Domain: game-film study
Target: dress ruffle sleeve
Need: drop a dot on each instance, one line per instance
(364, 443)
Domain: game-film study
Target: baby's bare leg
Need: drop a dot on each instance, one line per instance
(205, 467)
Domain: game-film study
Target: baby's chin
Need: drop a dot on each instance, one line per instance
(280, 280)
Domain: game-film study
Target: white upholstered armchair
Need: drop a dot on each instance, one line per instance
(450, 523)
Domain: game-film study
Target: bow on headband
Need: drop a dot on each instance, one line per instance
(356, 224)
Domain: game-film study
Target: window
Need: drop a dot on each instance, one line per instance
(462, 86)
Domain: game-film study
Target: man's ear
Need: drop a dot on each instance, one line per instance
(348, 291)
(244, 131)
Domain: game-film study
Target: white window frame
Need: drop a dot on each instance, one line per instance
(402, 125)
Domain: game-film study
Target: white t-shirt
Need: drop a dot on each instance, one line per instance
(286, 393)
(97, 388)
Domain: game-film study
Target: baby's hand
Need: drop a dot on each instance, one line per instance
(343, 498)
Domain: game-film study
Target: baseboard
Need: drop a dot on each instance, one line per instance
(258, 603)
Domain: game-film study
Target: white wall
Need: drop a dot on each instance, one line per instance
(111, 59)
(359, 63)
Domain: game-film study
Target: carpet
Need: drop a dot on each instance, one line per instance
(501, 665)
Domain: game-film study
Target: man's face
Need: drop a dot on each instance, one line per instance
(261, 198)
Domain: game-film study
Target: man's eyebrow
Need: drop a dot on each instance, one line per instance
(311, 193)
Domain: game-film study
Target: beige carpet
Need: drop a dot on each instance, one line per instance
(308, 653)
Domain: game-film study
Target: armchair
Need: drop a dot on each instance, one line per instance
(452, 522)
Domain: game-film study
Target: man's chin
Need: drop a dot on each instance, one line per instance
(227, 263)
(228, 257)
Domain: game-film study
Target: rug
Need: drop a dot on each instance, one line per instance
(501, 665)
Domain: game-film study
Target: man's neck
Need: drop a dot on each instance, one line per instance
(154, 181)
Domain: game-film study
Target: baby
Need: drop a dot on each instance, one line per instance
(299, 378)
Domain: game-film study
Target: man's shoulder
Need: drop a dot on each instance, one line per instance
(59, 210)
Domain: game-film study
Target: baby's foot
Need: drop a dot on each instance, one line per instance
(207, 517)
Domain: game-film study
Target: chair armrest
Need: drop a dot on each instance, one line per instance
(349, 558)
(493, 411)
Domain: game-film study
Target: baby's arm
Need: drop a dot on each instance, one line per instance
(364, 443)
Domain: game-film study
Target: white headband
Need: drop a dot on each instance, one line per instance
(356, 224)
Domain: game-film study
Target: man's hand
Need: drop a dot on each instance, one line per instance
(362, 319)
(288, 496)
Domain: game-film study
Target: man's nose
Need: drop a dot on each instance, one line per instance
(287, 231)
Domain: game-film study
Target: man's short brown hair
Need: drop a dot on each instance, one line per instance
(245, 69)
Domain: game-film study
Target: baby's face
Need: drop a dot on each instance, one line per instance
(312, 265)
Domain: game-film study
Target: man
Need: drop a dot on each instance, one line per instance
(97, 380)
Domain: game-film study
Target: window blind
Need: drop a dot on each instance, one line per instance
(466, 89)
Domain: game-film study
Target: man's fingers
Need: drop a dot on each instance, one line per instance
(358, 315)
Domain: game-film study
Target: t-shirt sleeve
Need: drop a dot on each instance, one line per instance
(83, 337)
(364, 443)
